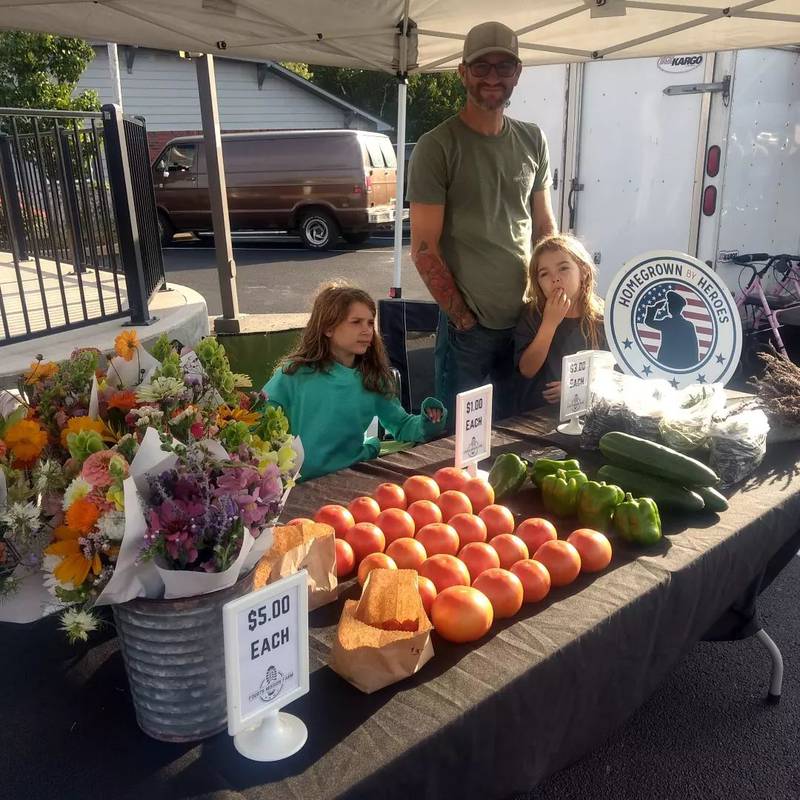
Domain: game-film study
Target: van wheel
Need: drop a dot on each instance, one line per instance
(356, 238)
(165, 229)
(318, 230)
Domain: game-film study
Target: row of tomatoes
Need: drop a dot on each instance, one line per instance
(474, 563)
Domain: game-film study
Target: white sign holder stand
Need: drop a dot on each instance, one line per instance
(266, 667)
(473, 427)
(577, 373)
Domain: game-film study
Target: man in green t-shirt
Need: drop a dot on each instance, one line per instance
(479, 193)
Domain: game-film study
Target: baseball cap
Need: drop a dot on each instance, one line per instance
(490, 37)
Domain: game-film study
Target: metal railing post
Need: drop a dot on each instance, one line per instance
(10, 198)
(73, 212)
(125, 210)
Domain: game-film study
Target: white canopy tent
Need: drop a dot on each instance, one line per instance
(399, 37)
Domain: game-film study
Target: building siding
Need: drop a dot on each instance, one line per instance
(163, 89)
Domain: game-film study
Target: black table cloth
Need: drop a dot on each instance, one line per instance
(482, 720)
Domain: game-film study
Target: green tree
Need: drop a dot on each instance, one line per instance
(38, 70)
(432, 97)
(298, 68)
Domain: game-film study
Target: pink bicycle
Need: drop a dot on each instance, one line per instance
(762, 302)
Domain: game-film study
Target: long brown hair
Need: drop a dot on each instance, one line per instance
(331, 307)
(591, 304)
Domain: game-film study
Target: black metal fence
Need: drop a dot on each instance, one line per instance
(71, 252)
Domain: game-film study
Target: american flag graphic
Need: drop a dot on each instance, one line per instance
(695, 311)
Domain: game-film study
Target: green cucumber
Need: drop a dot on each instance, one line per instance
(634, 453)
(668, 496)
(712, 498)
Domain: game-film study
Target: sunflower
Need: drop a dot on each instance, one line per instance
(126, 344)
(25, 439)
(78, 424)
(82, 515)
(74, 566)
(40, 371)
(225, 414)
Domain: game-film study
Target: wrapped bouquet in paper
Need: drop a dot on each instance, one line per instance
(386, 635)
(309, 546)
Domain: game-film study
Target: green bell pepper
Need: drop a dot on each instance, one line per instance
(596, 504)
(507, 475)
(638, 521)
(547, 466)
(560, 491)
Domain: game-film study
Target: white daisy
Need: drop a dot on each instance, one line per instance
(77, 490)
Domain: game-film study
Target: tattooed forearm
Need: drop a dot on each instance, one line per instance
(439, 280)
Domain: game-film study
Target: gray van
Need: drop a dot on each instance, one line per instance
(317, 183)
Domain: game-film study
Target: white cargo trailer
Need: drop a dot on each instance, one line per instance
(698, 153)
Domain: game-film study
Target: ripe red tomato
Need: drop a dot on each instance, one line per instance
(374, 561)
(445, 571)
(469, 527)
(424, 512)
(438, 537)
(452, 502)
(479, 556)
(390, 495)
(535, 532)
(420, 487)
(593, 548)
(299, 521)
(451, 478)
(510, 548)
(338, 517)
(461, 614)
(407, 553)
(504, 590)
(345, 558)
(535, 579)
(364, 509)
(365, 538)
(498, 520)
(562, 560)
(427, 591)
(395, 523)
(480, 493)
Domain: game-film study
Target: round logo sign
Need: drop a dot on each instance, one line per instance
(669, 316)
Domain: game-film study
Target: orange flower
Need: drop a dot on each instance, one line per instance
(82, 515)
(226, 415)
(78, 424)
(26, 440)
(126, 344)
(124, 400)
(40, 370)
(74, 567)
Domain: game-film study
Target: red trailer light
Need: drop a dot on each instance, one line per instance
(709, 200)
(712, 161)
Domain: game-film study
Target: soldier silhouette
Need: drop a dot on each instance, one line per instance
(678, 337)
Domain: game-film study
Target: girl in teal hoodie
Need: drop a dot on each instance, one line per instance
(337, 380)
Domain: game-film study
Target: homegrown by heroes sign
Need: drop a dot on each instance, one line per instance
(669, 316)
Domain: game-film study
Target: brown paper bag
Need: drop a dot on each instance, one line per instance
(295, 547)
(370, 649)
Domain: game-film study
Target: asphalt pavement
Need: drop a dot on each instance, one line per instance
(277, 274)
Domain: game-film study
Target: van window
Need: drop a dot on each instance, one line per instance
(388, 153)
(374, 152)
(305, 153)
(179, 158)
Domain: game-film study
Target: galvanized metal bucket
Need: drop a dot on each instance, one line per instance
(175, 660)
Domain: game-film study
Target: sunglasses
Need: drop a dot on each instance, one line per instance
(481, 69)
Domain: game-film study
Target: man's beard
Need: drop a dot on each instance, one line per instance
(492, 103)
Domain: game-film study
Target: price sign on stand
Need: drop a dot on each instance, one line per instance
(266, 667)
(577, 373)
(473, 427)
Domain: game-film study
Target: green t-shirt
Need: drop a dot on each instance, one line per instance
(330, 411)
(485, 184)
